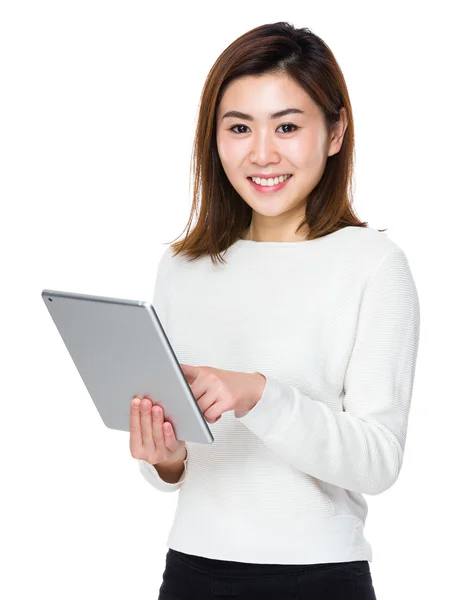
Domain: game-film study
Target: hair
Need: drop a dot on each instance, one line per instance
(223, 216)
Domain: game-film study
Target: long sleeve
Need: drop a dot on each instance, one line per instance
(360, 448)
(148, 471)
(150, 474)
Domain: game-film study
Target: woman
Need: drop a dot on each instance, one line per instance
(300, 347)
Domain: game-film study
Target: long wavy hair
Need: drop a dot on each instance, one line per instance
(221, 214)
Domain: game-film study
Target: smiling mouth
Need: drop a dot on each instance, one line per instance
(286, 176)
(269, 188)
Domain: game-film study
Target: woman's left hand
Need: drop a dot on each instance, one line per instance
(218, 390)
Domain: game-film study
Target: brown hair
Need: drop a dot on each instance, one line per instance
(223, 216)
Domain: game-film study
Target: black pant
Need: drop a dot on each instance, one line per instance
(189, 577)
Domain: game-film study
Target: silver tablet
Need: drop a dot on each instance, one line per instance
(121, 350)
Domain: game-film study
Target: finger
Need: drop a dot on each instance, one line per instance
(206, 404)
(169, 436)
(157, 425)
(146, 424)
(213, 405)
(135, 431)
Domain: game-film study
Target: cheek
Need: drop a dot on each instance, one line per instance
(304, 152)
(227, 150)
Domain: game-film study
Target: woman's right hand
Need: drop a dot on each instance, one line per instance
(151, 437)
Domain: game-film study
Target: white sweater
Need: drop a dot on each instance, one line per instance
(333, 324)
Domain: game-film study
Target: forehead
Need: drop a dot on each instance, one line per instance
(262, 94)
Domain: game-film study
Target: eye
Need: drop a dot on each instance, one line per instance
(283, 125)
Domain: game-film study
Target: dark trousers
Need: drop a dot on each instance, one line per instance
(189, 577)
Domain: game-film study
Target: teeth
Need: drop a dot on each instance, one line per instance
(270, 182)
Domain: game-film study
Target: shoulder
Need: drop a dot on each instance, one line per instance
(369, 238)
(367, 249)
(169, 257)
(367, 241)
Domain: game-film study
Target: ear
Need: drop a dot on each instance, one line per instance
(338, 132)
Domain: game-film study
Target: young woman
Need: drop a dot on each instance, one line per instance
(299, 343)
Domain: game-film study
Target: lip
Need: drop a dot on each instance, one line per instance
(269, 190)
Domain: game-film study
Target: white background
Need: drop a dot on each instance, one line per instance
(98, 111)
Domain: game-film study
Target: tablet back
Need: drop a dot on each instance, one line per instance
(121, 350)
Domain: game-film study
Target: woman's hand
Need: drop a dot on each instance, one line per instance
(151, 437)
(218, 390)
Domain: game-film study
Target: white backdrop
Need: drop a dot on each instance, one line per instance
(98, 111)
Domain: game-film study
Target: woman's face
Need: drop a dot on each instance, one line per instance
(255, 144)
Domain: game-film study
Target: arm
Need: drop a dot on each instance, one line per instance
(165, 478)
(362, 448)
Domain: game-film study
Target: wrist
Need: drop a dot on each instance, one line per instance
(259, 387)
(174, 461)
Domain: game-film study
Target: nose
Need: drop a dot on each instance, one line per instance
(264, 149)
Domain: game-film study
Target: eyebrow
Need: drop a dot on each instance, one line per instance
(277, 115)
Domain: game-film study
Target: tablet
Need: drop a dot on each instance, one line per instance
(121, 350)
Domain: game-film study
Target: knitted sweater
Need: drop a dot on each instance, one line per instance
(333, 324)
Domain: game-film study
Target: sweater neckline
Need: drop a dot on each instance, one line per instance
(255, 243)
